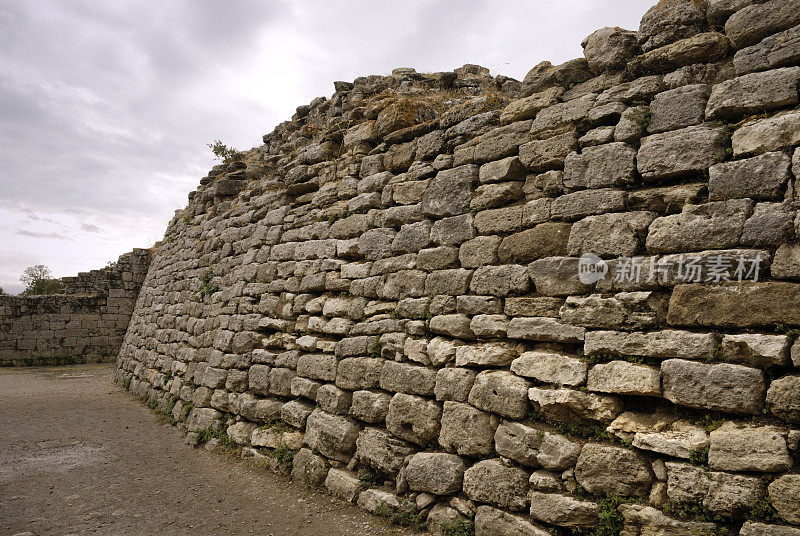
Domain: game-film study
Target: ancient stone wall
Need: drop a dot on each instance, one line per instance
(562, 305)
(84, 324)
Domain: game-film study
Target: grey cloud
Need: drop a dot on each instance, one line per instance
(35, 234)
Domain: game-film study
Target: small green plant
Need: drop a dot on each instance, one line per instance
(206, 434)
(126, 383)
(375, 351)
(283, 454)
(762, 510)
(186, 410)
(224, 153)
(610, 519)
(709, 423)
(405, 516)
(699, 457)
(461, 527)
(277, 426)
(207, 288)
(693, 511)
(370, 479)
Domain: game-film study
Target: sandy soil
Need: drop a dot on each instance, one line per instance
(79, 455)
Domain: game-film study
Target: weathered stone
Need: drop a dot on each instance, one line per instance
(405, 378)
(550, 367)
(491, 522)
(566, 405)
(681, 152)
(735, 305)
(414, 419)
(753, 349)
(586, 203)
(436, 473)
(777, 132)
(557, 276)
(377, 501)
(760, 177)
(486, 354)
(258, 379)
(754, 93)
(787, 262)
(601, 166)
(667, 22)
(563, 510)
(678, 108)
(557, 453)
(343, 485)
(500, 280)
(359, 373)
(778, 50)
(642, 520)
(544, 240)
(507, 169)
(679, 441)
(715, 225)
(334, 400)
(454, 325)
(499, 220)
(562, 117)
(496, 195)
(784, 493)
(606, 470)
(783, 400)
(548, 154)
(370, 406)
(609, 49)
(621, 377)
(533, 306)
(689, 51)
(632, 125)
(752, 528)
(449, 192)
(722, 387)
(544, 329)
(295, 413)
(753, 23)
(748, 448)
(626, 310)
(528, 107)
(331, 435)
(454, 384)
(479, 251)
(376, 243)
(770, 224)
(489, 481)
(466, 430)
(412, 237)
(500, 392)
(317, 367)
(518, 442)
(380, 451)
(618, 234)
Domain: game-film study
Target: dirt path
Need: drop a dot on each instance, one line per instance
(78, 455)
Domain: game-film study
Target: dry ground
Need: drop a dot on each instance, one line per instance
(79, 455)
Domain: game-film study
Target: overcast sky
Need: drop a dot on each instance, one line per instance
(106, 107)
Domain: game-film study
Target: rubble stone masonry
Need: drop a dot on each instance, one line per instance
(563, 305)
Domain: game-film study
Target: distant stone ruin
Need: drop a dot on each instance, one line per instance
(566, 305)
(83, 324)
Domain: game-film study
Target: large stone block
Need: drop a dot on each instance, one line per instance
(749, 448)
(783, 399)
(332, 436)
(568, 405)
(678, 108)
(544, 329)
(754, 93)
(548, 154)
(622, 377)
(500, 280)
(722, 387)
(761, 177)
(563, 510)
(414, 419)
(778, 50)
(454, 384)
(491, 482)
(750, 25)
(753, 349)
(405, 378)
(602, 166)
(667, 22)
(625, 310)
(550, 367)
(777, 132)
(609, 49)
(370, 406)
(317, 367)
(359, 372)
(715, 225)
(436, 473)
(586, 203)
(518, 442)
(557, 276)
(380, 451)
(491, 522)
(562, 117)
(753, 528)
(500, 392)
(647, 520)
(681, 152)
(619, 235)
(607, 470)
(449, 192)
(466, 430)
(544, 240)
(735, 305)
(785, 495)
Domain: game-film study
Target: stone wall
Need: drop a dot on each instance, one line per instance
(85, 324)
(567, 304)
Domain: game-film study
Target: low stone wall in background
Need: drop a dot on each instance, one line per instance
(85, 324)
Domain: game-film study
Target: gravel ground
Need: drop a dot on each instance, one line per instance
(79, 455)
